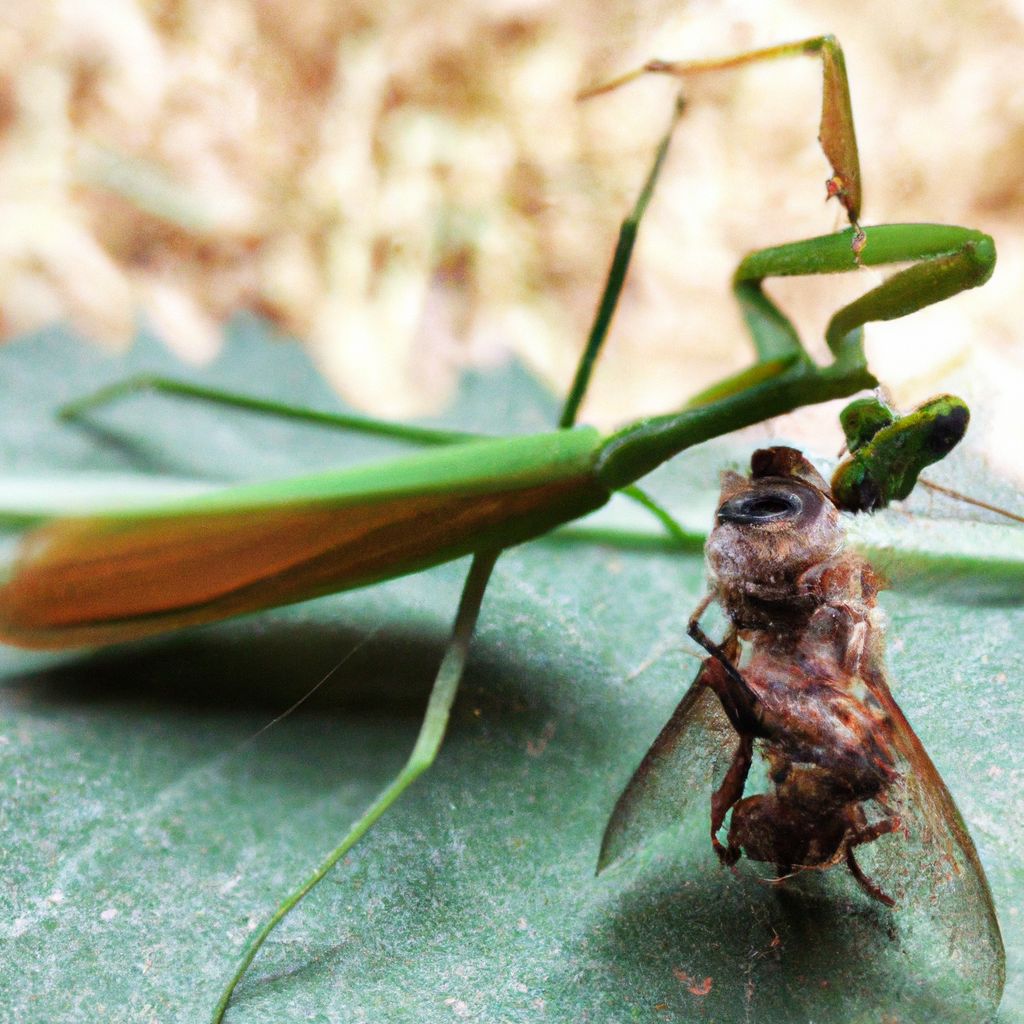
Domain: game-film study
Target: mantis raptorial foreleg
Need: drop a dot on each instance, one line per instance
(836, 133)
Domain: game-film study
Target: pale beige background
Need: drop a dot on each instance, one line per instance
(410, 188)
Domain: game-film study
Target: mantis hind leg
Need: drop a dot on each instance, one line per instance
(450, 673)
(262, 406)
(428, 742)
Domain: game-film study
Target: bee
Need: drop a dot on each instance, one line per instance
(798, 688)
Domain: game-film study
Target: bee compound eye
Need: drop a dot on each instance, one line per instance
(760, 508)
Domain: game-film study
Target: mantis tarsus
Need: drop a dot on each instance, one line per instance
(481, 496)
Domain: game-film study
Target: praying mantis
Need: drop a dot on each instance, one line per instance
(465, 495)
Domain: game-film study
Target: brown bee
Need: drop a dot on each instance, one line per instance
(799, 680)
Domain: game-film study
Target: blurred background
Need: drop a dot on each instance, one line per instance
(409, 188)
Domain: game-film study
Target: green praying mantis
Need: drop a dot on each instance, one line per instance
(115, 575)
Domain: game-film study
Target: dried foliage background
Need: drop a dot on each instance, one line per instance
(410, 188)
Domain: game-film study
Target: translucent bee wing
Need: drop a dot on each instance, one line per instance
(930, 867)
(684, 763)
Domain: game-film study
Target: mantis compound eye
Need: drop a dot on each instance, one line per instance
(945, 431)
(760, 508)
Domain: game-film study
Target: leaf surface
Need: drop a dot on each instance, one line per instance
(147, 828)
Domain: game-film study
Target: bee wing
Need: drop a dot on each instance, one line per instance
(685, 761)
(932, 870)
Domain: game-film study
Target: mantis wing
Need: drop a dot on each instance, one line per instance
(111, 577)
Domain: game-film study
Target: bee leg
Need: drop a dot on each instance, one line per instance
(855, 643)
(718, 673)
(728, 793)
(864, 882)
(844, 628)
(723, 654)
(867, 835)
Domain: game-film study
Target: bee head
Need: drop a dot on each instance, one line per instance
(773, 525)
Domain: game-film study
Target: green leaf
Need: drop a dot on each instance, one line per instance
(148, 828)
